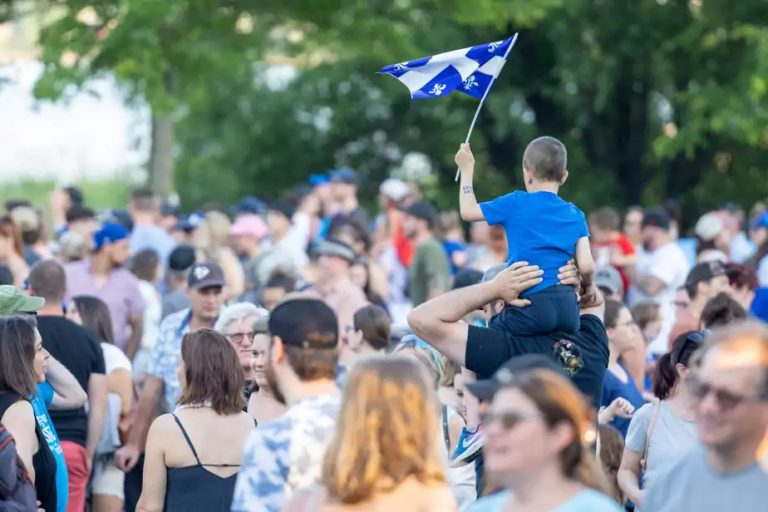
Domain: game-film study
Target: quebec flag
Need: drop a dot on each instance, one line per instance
(470, 70)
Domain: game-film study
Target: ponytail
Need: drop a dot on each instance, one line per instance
(665, 377)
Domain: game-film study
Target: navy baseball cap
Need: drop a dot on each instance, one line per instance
(109, 234)
(344, 175)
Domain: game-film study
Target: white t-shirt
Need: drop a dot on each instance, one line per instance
(669, 264)
(153, 310)
(114, 358)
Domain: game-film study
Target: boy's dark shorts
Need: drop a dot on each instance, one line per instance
(552, 309)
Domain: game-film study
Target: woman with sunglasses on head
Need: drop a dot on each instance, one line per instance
(384, 455)
(620, 393)
(194, 454)
(442, 373)
(662, 432)
(539, 434)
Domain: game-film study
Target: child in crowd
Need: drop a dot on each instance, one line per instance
(542, 229)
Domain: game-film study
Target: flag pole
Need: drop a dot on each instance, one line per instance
(482, 100)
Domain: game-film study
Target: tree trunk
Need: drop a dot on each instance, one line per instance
(161, 158)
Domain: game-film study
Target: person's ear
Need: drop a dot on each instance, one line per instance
(564, 178)
(561, 435)
(527, 176)
(354, 339)
(682, 371)
(277, 351)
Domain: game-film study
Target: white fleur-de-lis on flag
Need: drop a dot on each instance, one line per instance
(437, 89)
(402, 66)
(470, 82)
(492, 47)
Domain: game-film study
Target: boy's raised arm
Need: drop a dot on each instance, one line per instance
(468, 205)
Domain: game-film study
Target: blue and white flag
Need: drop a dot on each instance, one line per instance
(470, 70)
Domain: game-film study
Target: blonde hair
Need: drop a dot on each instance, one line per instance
(386, 431)
(442, 369)
(218, 226)
(560, 402)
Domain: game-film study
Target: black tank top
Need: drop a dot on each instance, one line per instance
(195, 489)
(43, 461)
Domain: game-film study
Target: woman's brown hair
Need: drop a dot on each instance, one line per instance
(611, 450)
(386, 431)
(94, 314)
(9, 229)
(17, 355)
(375, 324)
(560, 402)
(213, 373)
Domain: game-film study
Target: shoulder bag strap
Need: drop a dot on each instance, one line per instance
(648, 432)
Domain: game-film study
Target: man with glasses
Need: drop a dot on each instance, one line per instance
(731, 388)
(236, 323)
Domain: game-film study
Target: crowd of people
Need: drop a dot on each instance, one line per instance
(301, 354)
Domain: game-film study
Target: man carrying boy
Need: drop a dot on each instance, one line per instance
(542, 229)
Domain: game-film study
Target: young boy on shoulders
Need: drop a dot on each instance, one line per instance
(542, 229)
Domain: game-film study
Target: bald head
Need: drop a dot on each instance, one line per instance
(546, 159)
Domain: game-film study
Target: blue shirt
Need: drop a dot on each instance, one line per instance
(149, 236)
(541, 229)
(165, 355)
(613, 388)
(40, 401)
(586, 501)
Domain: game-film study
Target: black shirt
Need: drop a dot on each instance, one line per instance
(79, 351)
(582, 354)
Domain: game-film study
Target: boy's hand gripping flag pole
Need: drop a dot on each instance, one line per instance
(470, 70)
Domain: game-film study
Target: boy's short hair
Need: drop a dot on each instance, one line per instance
(605, 218)
(546, 158)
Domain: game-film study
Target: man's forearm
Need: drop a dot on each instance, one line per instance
(454, 305)
(96, 417)
(137, 330)
(64, 383)
(150, 396)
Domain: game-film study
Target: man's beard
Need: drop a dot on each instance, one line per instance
(271, 376)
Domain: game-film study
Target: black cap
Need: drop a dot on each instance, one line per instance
(344, 175)
(336, 248)
(423, 210)
(170, 210)
(205, 275)
(704, 271)
(282, 206)
(181, 258)
(79, 212)
(249, 204)
(466, 277)
(657, 217)
(305, 323)
(484, 390)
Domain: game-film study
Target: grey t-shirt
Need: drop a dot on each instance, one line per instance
(671, 439)
(693, 486)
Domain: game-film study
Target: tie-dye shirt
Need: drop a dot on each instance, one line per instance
(285, 454)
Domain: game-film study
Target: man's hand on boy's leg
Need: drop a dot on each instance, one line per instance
(515, 279)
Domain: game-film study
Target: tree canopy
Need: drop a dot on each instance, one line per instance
(654, 99)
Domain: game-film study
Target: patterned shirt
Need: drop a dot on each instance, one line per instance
(165, 357)
(285, 454)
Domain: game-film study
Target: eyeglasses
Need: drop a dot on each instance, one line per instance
(241, 337)
(726, 400)
(508, 419)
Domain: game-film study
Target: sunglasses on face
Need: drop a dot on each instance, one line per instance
(508, 419)
(726, 400)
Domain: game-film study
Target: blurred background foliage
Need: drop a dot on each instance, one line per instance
(654, 98)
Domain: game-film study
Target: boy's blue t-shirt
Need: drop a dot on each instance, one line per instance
(541, 229)
(40, 402)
